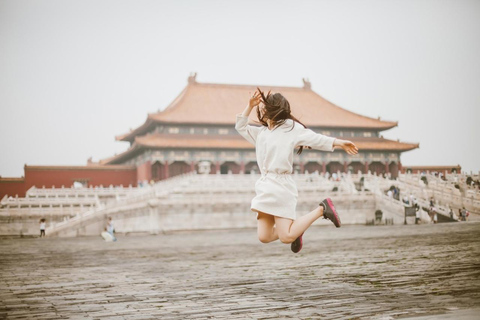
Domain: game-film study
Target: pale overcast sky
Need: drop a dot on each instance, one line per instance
(73, 74)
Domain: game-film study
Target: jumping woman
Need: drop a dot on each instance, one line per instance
(276, 193)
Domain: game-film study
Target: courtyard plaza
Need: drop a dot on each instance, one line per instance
(355, 272)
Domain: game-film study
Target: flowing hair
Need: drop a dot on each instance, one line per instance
(277, 110)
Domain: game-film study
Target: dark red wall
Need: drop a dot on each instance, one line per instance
(12, 188)
(57, 176)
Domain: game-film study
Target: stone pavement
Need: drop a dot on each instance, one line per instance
(355, 272)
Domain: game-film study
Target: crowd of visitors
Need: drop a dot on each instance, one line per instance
(432, 210)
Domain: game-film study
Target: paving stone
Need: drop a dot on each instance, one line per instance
(354, 272)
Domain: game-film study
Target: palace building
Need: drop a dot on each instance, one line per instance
(198, 128)
(197, 132)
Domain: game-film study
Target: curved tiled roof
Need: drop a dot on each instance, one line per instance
(179, 141)
(217, 104)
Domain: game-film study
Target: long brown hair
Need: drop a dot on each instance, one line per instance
(277, 110)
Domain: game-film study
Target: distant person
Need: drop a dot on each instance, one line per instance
(464, 214)
(396, 193)
(451, 213)
(276, 193)
(111, 228)
(467, 214)
(42, 227)
(417, 215)
(431, 213)
(413, 201)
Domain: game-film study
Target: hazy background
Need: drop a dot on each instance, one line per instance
(73, 74)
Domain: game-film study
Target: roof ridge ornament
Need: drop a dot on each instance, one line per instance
(192, 78)
(307, 84)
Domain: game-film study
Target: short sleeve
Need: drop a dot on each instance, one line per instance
(250, 133)
(309, 138)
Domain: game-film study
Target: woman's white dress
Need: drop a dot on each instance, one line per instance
(276, 192)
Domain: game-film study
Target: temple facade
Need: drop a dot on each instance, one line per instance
(197, 132)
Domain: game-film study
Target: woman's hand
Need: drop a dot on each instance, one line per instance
(346, 145)
(255, 100)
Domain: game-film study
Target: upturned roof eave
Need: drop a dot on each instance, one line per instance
(130, 136)
(119, 157)
(392, 149)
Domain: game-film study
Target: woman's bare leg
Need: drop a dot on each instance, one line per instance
(266, 228)
(288, 230)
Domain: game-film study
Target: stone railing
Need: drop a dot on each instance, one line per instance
(8, 203)
(104, 194)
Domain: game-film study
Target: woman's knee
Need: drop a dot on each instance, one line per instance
(285, 238)
(264, 238)
(283, 229)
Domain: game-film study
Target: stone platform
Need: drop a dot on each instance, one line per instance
(355, 272)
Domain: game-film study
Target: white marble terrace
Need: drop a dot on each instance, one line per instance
(194, 201)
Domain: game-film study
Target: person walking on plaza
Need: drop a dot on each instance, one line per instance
(111, 228)
(276, 193)
(451, 214)
(42, 227)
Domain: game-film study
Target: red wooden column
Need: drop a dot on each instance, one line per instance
(144, 172)
(165, 170)
(366, 167)
(192, 166)
(217, 167)
(242, 166)
(302, 167)
(387, 169)
(345, 167)
(324, 167)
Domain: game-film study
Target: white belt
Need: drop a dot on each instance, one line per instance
(275, 175)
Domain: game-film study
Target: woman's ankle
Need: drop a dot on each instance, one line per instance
(321, 209)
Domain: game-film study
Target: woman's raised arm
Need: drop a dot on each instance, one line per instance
(248, 132)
